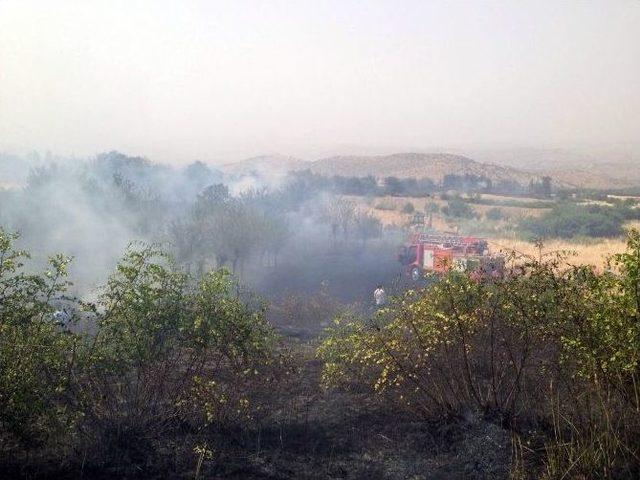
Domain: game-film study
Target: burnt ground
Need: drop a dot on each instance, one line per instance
(311, 434)
(322, 434)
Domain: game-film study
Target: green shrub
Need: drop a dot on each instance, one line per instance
(569, 220)
(510, 202)
(36, 354)
(545, 345)
(171, 351)
(408, 208)
(385, 205)
(429, 350)
(457, 208)
(167, 353)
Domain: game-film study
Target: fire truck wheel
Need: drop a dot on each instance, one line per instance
(416, 274)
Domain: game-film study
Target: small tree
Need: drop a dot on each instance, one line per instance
(457, 208)
(394, 186)
(408, 208)
(430, 209)
(340, 214)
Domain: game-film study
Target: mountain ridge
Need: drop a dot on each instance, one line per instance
(427, 165)
(416, 165)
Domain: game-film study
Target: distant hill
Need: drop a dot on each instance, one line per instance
(598, 176)
(606, 169)
(417, 165)
(265, 165)
(565, 168)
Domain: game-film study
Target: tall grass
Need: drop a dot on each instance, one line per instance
(593, 253)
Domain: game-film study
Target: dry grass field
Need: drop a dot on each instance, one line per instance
(503, 198)
(595, 254)
(511, 212)
(389, 209)
(592, 252)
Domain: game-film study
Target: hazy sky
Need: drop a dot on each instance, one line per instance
(216, 80)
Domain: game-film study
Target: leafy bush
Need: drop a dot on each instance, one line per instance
(36, 354)
(171, 352)
(571, 220)
(408, 208)
(456, 207)
(595, 414)
(385, 205)
(168, 353)
(428, 351)
(510, 202)
(549, 350)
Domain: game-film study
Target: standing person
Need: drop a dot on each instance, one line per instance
(380, 296)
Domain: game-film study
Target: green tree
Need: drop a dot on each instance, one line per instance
(408, 208)
(340, 214)
(393, 186)
(570, 220)
(457, 208)
(430, 209)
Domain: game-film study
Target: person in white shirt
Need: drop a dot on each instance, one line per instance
(380, 296)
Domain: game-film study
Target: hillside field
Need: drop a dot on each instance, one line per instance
(583, 251)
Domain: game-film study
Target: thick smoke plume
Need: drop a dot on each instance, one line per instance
(280, 234)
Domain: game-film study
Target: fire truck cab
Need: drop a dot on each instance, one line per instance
(438, 253)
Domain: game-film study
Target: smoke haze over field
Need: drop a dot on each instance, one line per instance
(220, 81)
(195, 85)
(279, 234)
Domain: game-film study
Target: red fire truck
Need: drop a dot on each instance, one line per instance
(438, 253)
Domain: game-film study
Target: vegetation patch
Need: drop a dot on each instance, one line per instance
(550, 352)
(168, 356)
(567, 220)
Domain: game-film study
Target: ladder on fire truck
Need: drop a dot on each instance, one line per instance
(447, 240)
